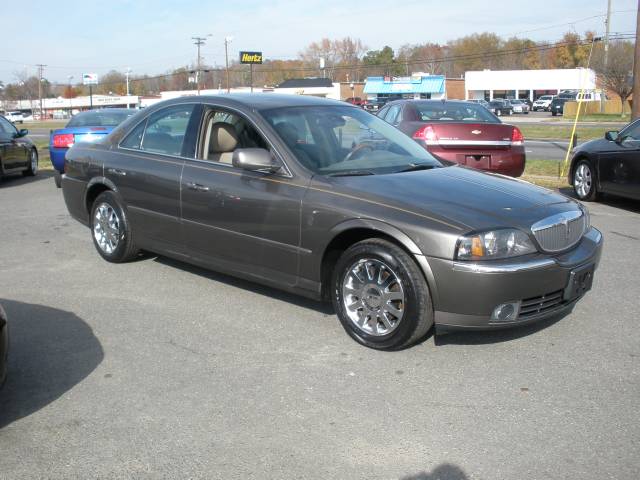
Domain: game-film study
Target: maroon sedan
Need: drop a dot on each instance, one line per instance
(460, 132)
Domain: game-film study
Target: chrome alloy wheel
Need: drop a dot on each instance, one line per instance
(373, 297)
(106, 228)
(34, 161)
(583, 180)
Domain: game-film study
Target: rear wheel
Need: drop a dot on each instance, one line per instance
(381, 296)
(110, 229)
(584, 181)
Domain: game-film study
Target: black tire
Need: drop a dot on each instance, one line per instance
(417, 309)
(125, 249)
(590, 192)
(32, 169)
(57, 178)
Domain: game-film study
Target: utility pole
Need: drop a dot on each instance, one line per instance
(606, 49)
(226, 59)
(635, 111)
(199, 41)
(40, 74)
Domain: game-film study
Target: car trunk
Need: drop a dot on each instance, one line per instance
(472, 144)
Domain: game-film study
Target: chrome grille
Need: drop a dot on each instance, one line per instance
(560, 231)
(534, 306)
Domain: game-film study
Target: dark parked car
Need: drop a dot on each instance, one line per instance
(374, 105)
(4, 345)
(89, 126)
(557, 106)
(500, 107)
(18, 154)
(610, 164)
(277, 189)
(460, 132)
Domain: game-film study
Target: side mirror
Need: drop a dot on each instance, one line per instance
(22, 133)
(611, 135)
(254, 159)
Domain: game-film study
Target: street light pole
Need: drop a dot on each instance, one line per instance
(70, 77)
(226, 59)
(127, 73)
(40, 73)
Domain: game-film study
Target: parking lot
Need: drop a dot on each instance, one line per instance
(158, 369)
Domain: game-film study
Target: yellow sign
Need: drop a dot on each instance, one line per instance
(250, 57)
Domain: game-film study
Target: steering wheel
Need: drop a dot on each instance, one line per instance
(357, 151)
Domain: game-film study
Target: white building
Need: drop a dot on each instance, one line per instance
(531, 84)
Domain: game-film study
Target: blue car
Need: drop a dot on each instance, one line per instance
(88, 126)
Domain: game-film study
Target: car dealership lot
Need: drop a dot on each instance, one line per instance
(158, 369)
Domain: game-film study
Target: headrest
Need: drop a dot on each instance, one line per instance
(223, 138)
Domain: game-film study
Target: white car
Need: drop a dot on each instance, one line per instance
(542, 103)
(14, 117)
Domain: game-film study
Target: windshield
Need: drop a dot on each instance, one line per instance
(100, 118)
(335, 140)
(456, 112)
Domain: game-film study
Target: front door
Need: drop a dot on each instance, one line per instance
(12, 152)
(620, 164)
(237, 220)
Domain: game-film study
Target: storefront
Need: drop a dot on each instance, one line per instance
(416, 86)
(526, 84)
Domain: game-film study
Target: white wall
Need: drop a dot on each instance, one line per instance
(560, 79)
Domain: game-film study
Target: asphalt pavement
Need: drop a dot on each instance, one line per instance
(156, 369)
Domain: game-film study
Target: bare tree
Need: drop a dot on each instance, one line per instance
(616, 76)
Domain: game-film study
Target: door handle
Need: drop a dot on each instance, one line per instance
(197, 187)
(117, 171)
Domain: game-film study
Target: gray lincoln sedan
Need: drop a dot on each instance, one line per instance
(326, 200)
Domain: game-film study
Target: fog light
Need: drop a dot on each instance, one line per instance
(507, 312)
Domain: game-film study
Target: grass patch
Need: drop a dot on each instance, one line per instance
(44, 161)
(544, 173)
(563, 132)
(601, 117)
(51, 124)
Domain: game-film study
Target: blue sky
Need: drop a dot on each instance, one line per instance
(73, 37)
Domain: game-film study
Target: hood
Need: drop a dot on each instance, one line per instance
(472, 199)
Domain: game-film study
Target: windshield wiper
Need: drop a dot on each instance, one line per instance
(414, 167)
(351, 173)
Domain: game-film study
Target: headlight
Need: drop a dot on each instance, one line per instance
(494, 245)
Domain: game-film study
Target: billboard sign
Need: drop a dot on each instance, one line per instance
(251, 57)
(89, 78)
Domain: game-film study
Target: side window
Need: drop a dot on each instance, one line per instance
(134, 138)
(7, 127)
(633, 131)
(382, 113)
(223, 133)
(392, 115)
(166, 130)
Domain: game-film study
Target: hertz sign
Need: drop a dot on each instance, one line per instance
(250, 57)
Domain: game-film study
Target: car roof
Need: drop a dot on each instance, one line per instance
(259, 101)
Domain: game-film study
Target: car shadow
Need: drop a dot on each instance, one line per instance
(487, 337)
(50, 351)
(445, 471)
(322, 307)
(17, 180)
(609, 200)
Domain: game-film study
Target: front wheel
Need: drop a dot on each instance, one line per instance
(584, 183)
(110, 229)
(380, 295)
(32, 168)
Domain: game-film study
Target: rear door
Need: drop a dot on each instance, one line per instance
(619, 164)
(146, 168)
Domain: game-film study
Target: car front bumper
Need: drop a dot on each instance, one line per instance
(468, 292)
